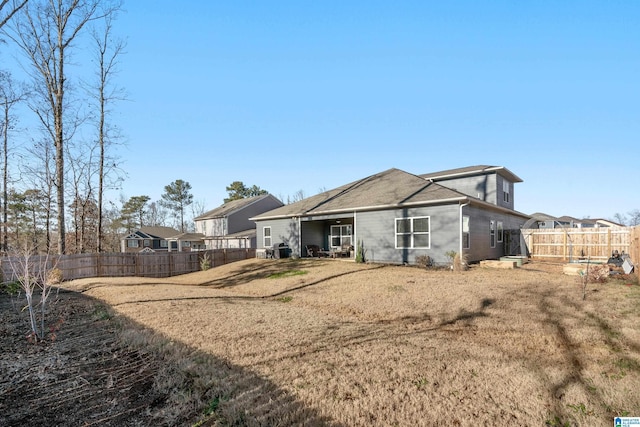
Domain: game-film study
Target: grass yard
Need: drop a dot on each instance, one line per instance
(331, 342)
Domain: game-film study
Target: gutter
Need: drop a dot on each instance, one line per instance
(363, 208)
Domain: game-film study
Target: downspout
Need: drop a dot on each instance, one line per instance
(299, 238)
(461, 225)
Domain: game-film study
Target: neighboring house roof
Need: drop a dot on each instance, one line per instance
(191, 237)
(391, 188)
(230, 207)
(472, 170)
(539, 216)
(157, 232)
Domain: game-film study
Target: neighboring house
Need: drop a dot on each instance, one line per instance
(186, 242)
(544, 221)
(229, 226)
(149, 239)
(161, 239)
(398, 216)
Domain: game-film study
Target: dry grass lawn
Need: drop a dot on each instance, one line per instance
(329, 342)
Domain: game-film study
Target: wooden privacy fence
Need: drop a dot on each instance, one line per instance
(570, 244)
(164, 264)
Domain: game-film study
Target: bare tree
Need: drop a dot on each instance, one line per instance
(634, 217)
(8, 8)
(40, 173)
(45, 32)
(107, 52)
(35, 276)
(620, 218)
(10, 95)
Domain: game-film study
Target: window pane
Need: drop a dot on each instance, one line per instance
(335, 240)
(403, 225)
(421, 241)
(465, 224)
(403, 241)
(421, 225)
(267, 231)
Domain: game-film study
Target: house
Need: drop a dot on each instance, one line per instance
(544, 221)
(149, 239)
(397, 216)
(161, 239)
(229, 226)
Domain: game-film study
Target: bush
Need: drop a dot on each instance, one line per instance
(424, 261)
(205, 262)
(54, 276)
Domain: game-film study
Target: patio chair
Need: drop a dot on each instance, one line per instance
(313, 251)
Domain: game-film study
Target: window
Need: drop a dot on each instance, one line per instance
(412, 232)
(185, 244)
(505, 191)
(500, 232)
(466, 239)
(266, 233)
(492, 233)
(147, 243)
(164, 244)
(340, 235)
(133, 243)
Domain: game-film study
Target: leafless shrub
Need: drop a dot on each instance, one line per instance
(460, 262)
(35, 278)
(424, 261)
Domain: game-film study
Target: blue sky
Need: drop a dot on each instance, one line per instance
(310, 95)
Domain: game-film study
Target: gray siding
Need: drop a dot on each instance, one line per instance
(500, 193)
(479, 233)
(282, 231)
(239, 221)
(483, 187)
(376, 231)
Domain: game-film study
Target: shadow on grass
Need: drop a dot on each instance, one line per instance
(248, 297)
(107, 370)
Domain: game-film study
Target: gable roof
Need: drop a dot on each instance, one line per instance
(472, 170)
(230, 207)
(192, 237)
(390, 188)
(159, 232)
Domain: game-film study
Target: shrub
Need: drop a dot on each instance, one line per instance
(424, 261)
(460, 262)
(205, 262)
(54, 276)
(360, 252)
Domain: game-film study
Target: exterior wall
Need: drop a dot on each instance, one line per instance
(500, 193)
(313, 233)
(376, 231)
(212, 227)
(282, 231)
(483, 187)
(239, 221)
(479, 234)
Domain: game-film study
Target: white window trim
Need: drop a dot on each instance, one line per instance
(492, 233)
(133, 243)
(412, 233)
(265, 237)
(466, 243)
(505, 191)
(346, 237)
(500, 232)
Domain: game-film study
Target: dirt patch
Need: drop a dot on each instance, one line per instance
(328, 342)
